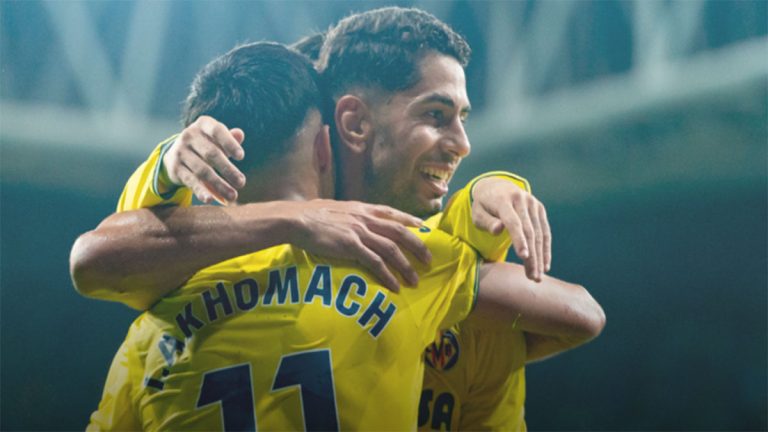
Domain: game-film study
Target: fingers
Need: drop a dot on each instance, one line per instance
(373, 263)
(404, 238)
(531, 263)
(372, 235)
(547, 233)
(238, 134)
(200, 173)
(221, 136)
(522, 215)
(486, 221)
(387, 212)
(196, 186)
(533, 213)
(383, 230)
(200, 160)
(517, 231)
(391, 256)
(518, 222)
(213, 157)
(216, 146)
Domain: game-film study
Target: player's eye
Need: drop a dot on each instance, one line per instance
(438, 115)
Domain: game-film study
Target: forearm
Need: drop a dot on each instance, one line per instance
(541, 347)
(559, 315)
(137, 257)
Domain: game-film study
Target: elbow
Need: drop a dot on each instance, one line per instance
(592, 316)
(89, 267)
(597, 321)
(92, 276)
(81, 266)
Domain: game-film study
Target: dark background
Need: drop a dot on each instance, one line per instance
(659, 208)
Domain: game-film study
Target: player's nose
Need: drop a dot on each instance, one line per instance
(456, 141)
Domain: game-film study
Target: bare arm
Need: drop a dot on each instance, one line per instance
(136, 257)
(556, 315)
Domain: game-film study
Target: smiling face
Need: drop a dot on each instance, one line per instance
(419, 139)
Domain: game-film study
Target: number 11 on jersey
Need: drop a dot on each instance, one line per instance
(310, 370)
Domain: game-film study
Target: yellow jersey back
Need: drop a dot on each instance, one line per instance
(281, 339)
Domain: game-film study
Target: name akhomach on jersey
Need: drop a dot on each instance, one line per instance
(228, 298)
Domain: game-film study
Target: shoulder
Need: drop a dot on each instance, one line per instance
(251, 263)
(443, 246)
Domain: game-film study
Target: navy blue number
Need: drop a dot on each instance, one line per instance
(231, 386)
(311, 371)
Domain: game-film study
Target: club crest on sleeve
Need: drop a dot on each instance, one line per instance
(443, 353)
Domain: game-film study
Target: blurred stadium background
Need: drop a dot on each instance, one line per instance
(641, 124)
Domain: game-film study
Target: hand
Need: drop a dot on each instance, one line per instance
(499, 204)
(371, 235)
(199, 160)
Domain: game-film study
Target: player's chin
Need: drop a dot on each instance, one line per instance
(429, 205)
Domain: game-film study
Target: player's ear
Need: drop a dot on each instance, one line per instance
(322, 146)
(353, 123)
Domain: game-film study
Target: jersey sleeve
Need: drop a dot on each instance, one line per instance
(117, 410)
(143, 187)
(457, 219)
(448, 286)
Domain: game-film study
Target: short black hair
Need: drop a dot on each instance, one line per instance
(382, 48)
(310, 45)
(264, 88)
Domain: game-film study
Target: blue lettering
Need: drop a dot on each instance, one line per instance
(319, 286)
(253, 294)
(276, 285)
(222, 300)
(426, 398)
(375, 309)
(346, 285)
(442, 412)
(187, 319)
(168, 346)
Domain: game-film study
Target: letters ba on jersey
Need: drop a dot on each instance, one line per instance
(282, 288)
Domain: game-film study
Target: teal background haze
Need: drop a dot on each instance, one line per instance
(643, 127)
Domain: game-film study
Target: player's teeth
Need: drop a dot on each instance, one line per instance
(436, 173)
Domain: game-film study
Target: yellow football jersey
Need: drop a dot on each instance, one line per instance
(501, 404)
(475, 379)
(475, 372)
(284, 340)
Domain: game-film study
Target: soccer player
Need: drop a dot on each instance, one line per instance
(326, 346)
(417, 194)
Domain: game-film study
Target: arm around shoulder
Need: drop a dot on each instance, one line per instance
(557, 315)
(139, 256)
(136, 257)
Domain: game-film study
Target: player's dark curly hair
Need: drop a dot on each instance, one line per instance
(381, 49)
(264, 88)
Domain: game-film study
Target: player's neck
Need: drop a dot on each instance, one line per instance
(281, 182)
(350, 183)
(278, 189)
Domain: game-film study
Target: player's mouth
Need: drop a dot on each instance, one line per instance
(437, 178)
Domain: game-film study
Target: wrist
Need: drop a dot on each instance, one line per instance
(163, 184)
(515, 179)
(262, 225)
(293, 223)
(288, 224)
